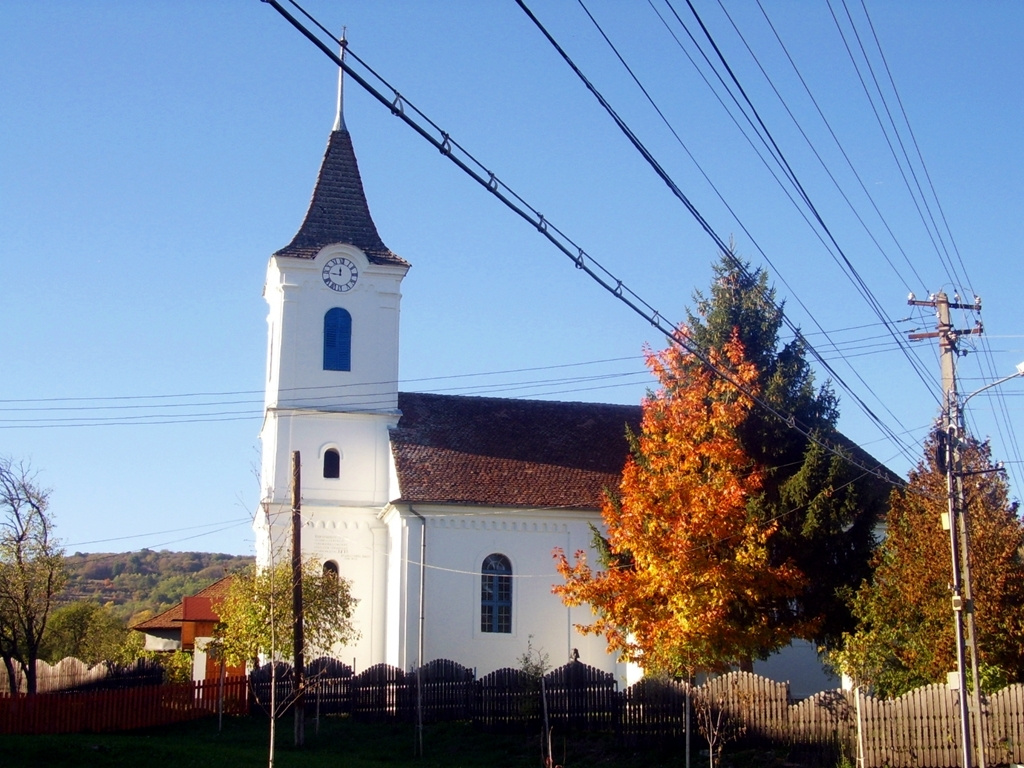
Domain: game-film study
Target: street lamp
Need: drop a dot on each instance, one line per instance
(960, 551)
(1020, 372)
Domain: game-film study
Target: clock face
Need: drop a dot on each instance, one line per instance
(340, 274)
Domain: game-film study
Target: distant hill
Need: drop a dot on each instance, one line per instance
(133, 582)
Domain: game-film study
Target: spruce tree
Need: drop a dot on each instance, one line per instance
(824, 508)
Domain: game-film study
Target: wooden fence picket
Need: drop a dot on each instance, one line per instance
(505, 699)
(382, 692)
(448, 690)
(580, 697)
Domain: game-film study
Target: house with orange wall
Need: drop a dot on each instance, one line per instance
(188, 627)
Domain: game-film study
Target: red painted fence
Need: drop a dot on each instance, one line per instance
(121, 710)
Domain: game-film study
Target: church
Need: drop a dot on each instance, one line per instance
(441, 510)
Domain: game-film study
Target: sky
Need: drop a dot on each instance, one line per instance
(154, 155)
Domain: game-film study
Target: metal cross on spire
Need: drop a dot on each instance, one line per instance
(339, 120)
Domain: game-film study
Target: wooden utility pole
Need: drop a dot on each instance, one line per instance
(956, 524)
(298, 670)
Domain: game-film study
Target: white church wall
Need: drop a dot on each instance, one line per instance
(397, 610)
(356, 541)
(457, 544)
(297, 301)
(361, 441)
(799, 665)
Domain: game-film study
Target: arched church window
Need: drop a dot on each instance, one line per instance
(337, 340)
(496, 594)
(331, 569)
(332, 463)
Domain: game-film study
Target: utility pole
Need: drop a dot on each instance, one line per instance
(298, 670)
(956, 523)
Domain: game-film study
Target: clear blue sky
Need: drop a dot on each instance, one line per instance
(155, 154)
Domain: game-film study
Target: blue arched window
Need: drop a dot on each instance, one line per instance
(332, 463)
(496, 594)
(337, 340)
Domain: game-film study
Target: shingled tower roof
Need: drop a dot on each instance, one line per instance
(338, 212)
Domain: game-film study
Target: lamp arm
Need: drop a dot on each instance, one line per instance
(993, 384)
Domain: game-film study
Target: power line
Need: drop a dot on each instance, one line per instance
(709, 230)
(401, 382)
(843, 261)
(399, 106)
(935, 214)
(839, 145)
(348, 396)
(220, 526)
(822, 358)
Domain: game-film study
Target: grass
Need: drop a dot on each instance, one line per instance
(339, 744)
(243, 742)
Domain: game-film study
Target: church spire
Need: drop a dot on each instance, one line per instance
(339, 120)
(338, 212)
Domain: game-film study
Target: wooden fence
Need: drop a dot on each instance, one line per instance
(919, 730)
(71, 673)
(118, 710)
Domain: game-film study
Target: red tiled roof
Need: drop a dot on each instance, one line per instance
(338, 212)
(172, 617)
(451, 449)
(492, 451)
(198, 609)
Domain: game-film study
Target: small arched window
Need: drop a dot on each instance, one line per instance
(337, 340)
(332, 463)
(331, 569)
(496, 594)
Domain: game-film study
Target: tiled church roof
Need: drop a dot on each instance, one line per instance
(481, 450)
(452, 449)
(338, 212)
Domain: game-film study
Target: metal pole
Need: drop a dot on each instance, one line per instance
(963, 530)
(958, 603)
(420, 632)
(298, 671)
(947, 359)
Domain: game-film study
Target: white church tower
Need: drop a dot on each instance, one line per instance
(332, 388)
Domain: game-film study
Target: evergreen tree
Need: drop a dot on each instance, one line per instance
(823, 509)
(732, 532)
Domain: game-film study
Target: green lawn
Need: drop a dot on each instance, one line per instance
(243, 742)
(339, 744)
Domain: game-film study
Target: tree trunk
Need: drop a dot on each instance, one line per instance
(30, 677)
(12, 677)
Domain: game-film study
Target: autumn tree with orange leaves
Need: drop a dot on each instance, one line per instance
(905, 636)
(689, 581)
(738, 526)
